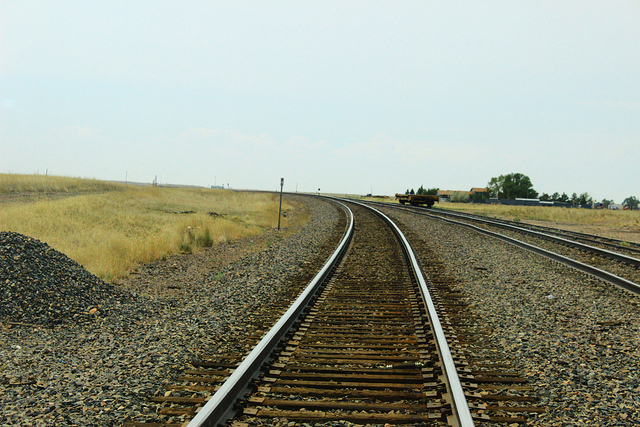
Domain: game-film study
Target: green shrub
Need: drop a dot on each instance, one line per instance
(205, 240)
(460, 197)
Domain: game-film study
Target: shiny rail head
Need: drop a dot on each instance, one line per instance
(462, 413)
(220, 407)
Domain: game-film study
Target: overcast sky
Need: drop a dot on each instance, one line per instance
(345, 96)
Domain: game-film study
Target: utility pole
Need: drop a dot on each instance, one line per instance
(280, 208)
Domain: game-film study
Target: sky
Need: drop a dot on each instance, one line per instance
(343, 96)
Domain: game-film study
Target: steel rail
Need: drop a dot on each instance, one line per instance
(599, 251)
(594, 271)
(459, 401)
(220, 407)
(601, 240)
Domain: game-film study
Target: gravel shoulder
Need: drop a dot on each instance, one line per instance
(102, 370)
(576, 338)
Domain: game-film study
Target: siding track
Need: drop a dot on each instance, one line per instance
(615, 267)
(624, 247)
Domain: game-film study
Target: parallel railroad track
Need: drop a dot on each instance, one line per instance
(366, 350)
(622, 252)
(615, 267)
(625, 247)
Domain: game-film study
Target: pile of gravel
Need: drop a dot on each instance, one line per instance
(39, 285)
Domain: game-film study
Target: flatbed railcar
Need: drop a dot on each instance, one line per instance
(417, 199)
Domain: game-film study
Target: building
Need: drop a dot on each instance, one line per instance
(476, 193)
(479, 193)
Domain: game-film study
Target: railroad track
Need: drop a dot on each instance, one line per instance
(624, 252)
(369, 341)
(365, 352)
(612, 266)
(617, 245)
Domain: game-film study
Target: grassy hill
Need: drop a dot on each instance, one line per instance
(109, 228)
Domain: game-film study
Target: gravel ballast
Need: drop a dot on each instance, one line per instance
(98, 351)
(94, 359)
(574, 337)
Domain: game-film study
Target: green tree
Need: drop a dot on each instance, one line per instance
(512, 186)
(606, 203)
(631, 202)
(460, 197)
(545, 197)
(574, 199)
(495, 186)
(422, 190)
(585, 199)
(432, 191)
(479, 196)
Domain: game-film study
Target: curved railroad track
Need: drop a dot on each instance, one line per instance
(617, 267)
(369, 341)
(617, 245)
(549, 317)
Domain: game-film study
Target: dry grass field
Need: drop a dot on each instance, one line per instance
(110, 228)
(41, 185)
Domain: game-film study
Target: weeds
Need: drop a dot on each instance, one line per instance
(192, 237)
(205, 240)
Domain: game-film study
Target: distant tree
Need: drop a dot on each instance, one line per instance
(479, 196)
(423, 190)
(585, 199)
(555, 197)
(631, 202)
(606, 203)
(545, 197)
(460, 197)
(512, 186)
(574, 197)
(495, 186)
(564, 198)
(432, 191)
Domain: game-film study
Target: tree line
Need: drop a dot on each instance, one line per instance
(518, 185)
(422, 190)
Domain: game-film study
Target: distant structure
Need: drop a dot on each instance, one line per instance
(475, 194)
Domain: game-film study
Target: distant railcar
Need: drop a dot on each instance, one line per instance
(417, 199)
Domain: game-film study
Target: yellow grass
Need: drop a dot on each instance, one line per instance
(109, 233)
(16, 183)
